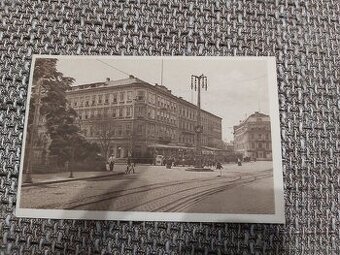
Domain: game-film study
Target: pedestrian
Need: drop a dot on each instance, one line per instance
(169, 163)
(130, 166)
(219, 167)
(111, 162)
(239, 162)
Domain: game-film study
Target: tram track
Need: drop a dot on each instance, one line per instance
(179, 205)
(184, 196)
(131, 191)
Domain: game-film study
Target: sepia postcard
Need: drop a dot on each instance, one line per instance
(194, 139)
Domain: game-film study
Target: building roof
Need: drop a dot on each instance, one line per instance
(131, 81)
(254, 115)
(108, 83)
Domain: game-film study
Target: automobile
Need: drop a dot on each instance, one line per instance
(159, 160)
(246, 159)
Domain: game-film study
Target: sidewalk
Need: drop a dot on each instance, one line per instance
(39, 179)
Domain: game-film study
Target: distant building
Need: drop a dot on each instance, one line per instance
(156, 120)
(252, 137)
(229, 146)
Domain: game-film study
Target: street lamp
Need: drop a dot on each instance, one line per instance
(198, 82)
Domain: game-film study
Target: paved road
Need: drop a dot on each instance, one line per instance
(245, 189)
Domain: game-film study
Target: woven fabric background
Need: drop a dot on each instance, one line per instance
(304, 37)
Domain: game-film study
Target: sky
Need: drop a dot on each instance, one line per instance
(236, 88)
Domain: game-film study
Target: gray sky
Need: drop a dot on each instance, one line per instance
(236, 88)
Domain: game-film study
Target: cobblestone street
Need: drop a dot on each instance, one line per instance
(235, 189)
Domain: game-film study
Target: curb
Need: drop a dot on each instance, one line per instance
(68, 180)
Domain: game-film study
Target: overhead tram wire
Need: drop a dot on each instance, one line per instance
(117, 69)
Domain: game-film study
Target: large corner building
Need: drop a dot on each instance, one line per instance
(252, 137)
(147, 117)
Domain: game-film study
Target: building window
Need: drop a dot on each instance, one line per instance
(139, 111)
(93, 100)
(105, 112)
(100, 99)
(106, 99)
(151, 98)
(119, 130)
(128, 111)
(129, 96)
(128, 129)
(114, 98)
(121, 97)
(140, 95)
(114, 112)
(139, 129)
(260, 145)
(121, 112)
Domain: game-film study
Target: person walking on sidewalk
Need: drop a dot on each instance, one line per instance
(111, 162)
(130, 166)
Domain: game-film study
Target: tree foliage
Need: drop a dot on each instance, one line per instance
(66, 139)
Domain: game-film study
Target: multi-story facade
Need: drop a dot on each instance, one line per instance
(252, 137)
(149, 116)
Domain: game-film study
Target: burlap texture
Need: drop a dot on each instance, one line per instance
(304, 37)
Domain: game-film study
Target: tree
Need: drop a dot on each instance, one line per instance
(105, 132)
(51, 86)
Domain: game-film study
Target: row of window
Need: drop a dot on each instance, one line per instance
(166, 104)
(125, 130)
(114, 131)
(260, 136)
(116, 112)
(124, 112)
(258, 145)
(119, 112)
(106, 99)
(127, 112)
(190, 126)
(187, 139)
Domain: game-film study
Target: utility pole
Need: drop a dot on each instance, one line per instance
(198, 82)
(33, 134)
